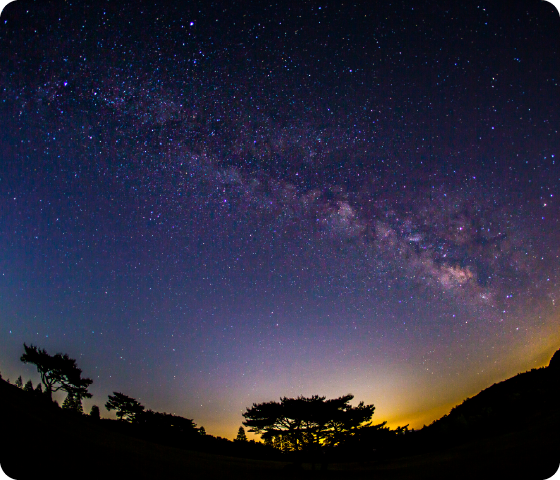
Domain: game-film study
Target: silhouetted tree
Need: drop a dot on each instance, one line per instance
(39, 388)
(28, 386)
(19, 382)
(127, 408)
(306, 424)
(202, 431)
(94, 413)
(72, 402)
(241, 435)
(58, 372)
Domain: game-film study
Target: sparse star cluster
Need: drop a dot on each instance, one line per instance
(212, 205)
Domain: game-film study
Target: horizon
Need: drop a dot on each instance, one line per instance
(88, 403)
(209, 207)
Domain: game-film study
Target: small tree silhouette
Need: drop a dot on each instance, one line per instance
(28, 386)
(19, 382)
(127, 408)
(94, 413)
(73, 402)
(241, 435)
(202, 431)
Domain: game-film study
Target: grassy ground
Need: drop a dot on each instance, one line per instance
(42, 441)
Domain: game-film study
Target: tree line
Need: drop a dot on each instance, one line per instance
(302, 426)
(59, 372)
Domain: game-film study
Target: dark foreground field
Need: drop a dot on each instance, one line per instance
(40, 441)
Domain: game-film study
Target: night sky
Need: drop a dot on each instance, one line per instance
(209, 205)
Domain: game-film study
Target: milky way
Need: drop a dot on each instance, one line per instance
(227, 196)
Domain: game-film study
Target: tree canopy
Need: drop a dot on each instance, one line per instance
(58, 372)
(302, 423)
(127, 408)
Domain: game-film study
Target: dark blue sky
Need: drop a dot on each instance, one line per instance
(215, 204)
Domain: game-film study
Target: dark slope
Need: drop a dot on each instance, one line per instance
(507, 406)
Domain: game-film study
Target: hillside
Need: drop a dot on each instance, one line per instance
(43, 438)
(506, 406)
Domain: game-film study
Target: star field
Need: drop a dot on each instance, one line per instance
(210, 205)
